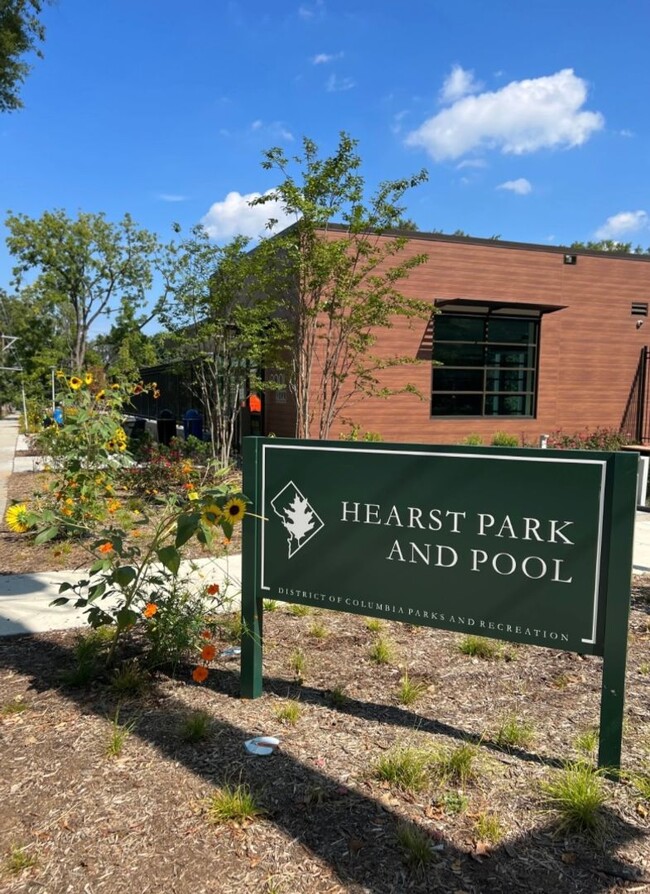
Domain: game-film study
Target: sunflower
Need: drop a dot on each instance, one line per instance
(115, 387)
(75, 383)
(101, 394)
(212, 514)
(88, 379)
(17, 518)
(235, 509)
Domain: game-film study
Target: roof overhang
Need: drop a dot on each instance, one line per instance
(477, 305)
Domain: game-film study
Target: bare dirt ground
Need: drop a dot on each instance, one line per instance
(75, 819)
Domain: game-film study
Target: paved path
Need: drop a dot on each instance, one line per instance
(25, 598)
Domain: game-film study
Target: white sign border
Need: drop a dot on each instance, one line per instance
(460, 455)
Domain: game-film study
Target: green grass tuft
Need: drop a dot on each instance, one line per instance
(456, 766)
(197, 727)
(289, 712)
(514, 733)
(576, 797)
(232, 804)
(415, 844)
(406, 768)
(410, 691)
(382, 651)
(18, 860)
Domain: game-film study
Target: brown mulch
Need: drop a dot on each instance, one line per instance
(95, 824)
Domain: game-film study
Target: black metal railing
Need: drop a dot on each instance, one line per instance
(636, 418)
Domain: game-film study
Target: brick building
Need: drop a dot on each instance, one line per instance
(530, 339)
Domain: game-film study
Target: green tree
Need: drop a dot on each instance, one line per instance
(337, 287)
(21, 33)
(222, 322)
(86, 267)
(125, 348)
(611, 245)
(41, 345)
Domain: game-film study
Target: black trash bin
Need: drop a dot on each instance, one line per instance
(166, 425)
(193, 424)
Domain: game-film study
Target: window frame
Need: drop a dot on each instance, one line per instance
(485, 312)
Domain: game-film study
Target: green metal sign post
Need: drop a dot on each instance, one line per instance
(530, 546)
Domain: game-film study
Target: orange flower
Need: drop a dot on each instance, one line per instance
(156, 394)
(106, 548)
(150, 609)
(206, 634)
(200, 674)
(208, 653)
(212, 589)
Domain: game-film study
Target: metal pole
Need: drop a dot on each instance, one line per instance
(22, 387)
(53, 394)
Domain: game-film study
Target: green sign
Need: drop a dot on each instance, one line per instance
(523, 545)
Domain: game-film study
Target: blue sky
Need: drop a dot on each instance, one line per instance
(531, 117)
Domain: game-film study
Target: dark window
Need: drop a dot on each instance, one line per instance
(485, 364)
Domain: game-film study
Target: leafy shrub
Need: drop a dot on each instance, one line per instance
(598, 439)
(355, 434)
(503, 439)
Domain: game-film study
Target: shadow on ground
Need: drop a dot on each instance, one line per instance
(532, 862)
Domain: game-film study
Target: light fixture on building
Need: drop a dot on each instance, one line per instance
(570, 259)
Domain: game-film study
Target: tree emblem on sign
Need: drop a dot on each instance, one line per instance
(297, 515)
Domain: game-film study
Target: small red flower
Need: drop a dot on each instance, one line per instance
(212, 589)
(208, 653)
(200, 674)
(206, 634)
(150, 609)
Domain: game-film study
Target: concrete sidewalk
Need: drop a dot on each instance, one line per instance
(25, 598)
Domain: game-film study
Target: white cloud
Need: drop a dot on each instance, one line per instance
(471, 163)
(310, 12)
(521, 186)
(337, 85)
(235, 215)
(458, 83)
(622, 224)
(170, 197)
(324, 58)
(398, 117)
(524, 116)
(274, 130)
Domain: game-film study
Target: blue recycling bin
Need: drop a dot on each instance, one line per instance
(193, 424)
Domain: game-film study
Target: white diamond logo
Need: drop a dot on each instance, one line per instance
(298, 516)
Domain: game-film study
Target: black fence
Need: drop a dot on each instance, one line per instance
(179, 391)
(636, 419)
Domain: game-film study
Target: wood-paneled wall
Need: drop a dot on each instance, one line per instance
(589, 350)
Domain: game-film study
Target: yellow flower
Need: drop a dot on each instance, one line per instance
(101, 394)
(235, 509)
(115, 387)
(75, 383)
(60, 374)
(193, 495)
(17, 518)
(211, 514)
(88, 379)
(113, 505)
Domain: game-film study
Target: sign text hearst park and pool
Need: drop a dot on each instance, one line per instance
(503, 545)
(532, 546)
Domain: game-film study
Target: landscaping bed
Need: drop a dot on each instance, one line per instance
(86, 807)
